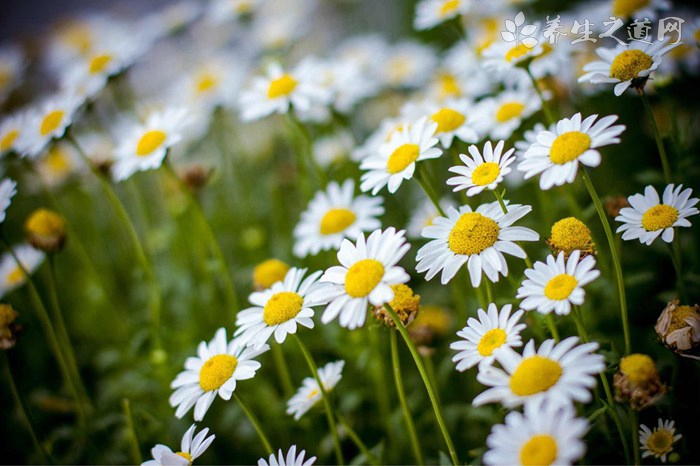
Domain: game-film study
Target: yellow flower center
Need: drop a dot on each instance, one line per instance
(516, 52)
(449, 7)
(57, 161)
(660, 442)
(486, 173)
(534, 375)
(185, 455)
(149, 142)
(282, 307)
(7, 315)
(15, 277)
(472, 234)
(659, 217)
(244, 7)
(284, 85)
(5, 77)
(625, 8)
(336, 220)
(679, 316)
(448, 120)
(404, 300)
(216, 371)
(569, 146)
(312, 394)
(629, 64)
(206, 83)
(51, 122)
(540, 450)
(569, 234)
(402, 157)
(639, 368)
(448, 86)
(269, 272)
(362, 277)
(99, 63)
(43, 222)
(509, 110)
(560, 287)
(9, 139)
(491, 340)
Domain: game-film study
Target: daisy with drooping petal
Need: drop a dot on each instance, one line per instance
(558, 284)
(215, 370)
(480, 338)
(500, 116)
(626, 65)
(481, 173)
(397, 158)
(543, 434)
(309, 393)
(648, 217)
(476, 238)
(366, 272)
(557, 153)
(659, 442)
(11, 274)
(290, 460)
(560, 373)
(430, 13)
(335, 214)
(146, 145)
(191, 448)
(46, 122)
(278, 310)
(8, 188)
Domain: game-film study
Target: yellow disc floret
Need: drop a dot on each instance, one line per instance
(149, 142)
(509, 110)
(540, 450)
(626, 8)
(491, 340)
(660, 442)
(206, 83)
(628, 64)
(282, 307)
(282, 86)
(560, 287)
(402, 157)
(336, 220)
(448, 7)
(534, 375)
(516, 52)
(44, 222)
(486, 173)
(362, 277)
(269, 272)
(99, 63)
(447, 120)
(51, 122)
(569, 234)
(659, 217)
(472, 234)
(185, 455)
(216, 371)
(569, 146)
(639, 368)
(9, 139)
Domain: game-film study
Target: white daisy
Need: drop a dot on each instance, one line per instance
(659, 442)
(58, 163)
(557, 153)
(11, 274)
(8, 188)
(290, 460)
(481, 173)
(430, 13)
(626, 65)
(397, 158)
(407, 64)
(558, 284)
(648, 217)
(544, 434)
(10, 129)
(454, 118)
(309, 393)
(500, 116)
(47, 121)
(215, 370)
(190, 449)
(366, 272)
(481, 338)
(278, 310)
(476, 238)
(335, 214)
(502, 57)
(145, 146)
(530, 137)
(333, 149)
(423, 216)
(561, 373)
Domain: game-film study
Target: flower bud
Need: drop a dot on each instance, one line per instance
(637, 381)
(46, 230)
(269, 272)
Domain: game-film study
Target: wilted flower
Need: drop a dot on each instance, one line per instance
(406, 304)
(9, 330)
(678, 327)
(637, 381)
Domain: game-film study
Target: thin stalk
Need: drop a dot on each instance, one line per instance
(131, 428)
(615, 257)
(324, 395)
(356, 439)
(634, 421)
(489, 290)
(429, 191)
(499, 198)
(410, 426)
(426, 381)
(657, 136)
(256, 424)
(379, 375)
(552, 326)
(282, 371)
(545, 108)
(677, 264)
(306, 148)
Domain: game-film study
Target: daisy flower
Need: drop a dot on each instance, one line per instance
(557, 153)
(558, 284)
(309, 393)
(430, 13)
(423, 216)
(476, 238)
(278, 310)
(191, 448)
(145, 146)
(11, 274)
(502, 57)
(366, 272)
(8, 188)
(397, 158)
(454, 118)
(659, 442)
(335, 214)
(543, 434)
(290, 460)
(480, 338)
(214, 371)
(648, 217)
(560, 373)
(626, 65)
(500, 116)
(269, 272)
(530, 137)
(279, 90)
(46, 122)
(10, 129)
(406, 65)
(481, 173)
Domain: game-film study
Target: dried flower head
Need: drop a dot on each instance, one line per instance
(614, 204)
(637, 381)
(195, 177)
(46, 230)
(9, 330)
(678, 327)
(405, 303)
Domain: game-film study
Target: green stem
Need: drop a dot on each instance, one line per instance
(379, 375)
(489, 290)
(657, 136)
(545, 108)
(305, 147)
(131, 428)
(677, 264)
(256, 424)
(356, 439)
(635, 436)
(415, 444)
(552, 326)
(282, 371)
(426, 381)
(324, 395)
(429, 191)
(499, 198)
(615, 257)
